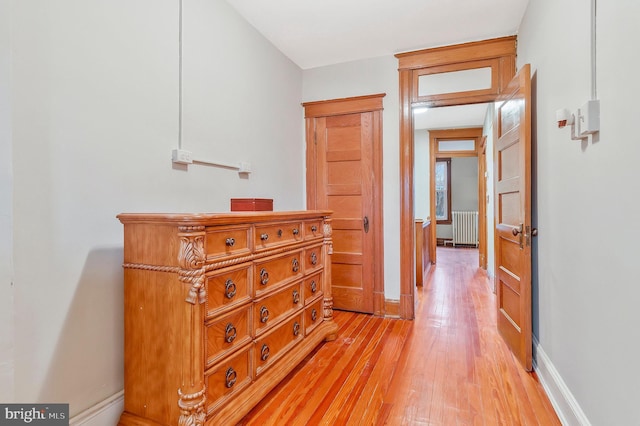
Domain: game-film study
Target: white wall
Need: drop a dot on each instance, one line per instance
(488, 132)
(421, 176)
(370, 76)
(94, 120)
(586, 303)
(6, 210)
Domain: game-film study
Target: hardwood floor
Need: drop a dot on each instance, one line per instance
(448, 367)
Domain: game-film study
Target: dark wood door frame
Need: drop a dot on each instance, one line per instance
(502, 52)
(475, 134)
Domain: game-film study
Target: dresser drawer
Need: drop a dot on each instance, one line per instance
(313, 258)
(227, 333)
(312, 288)
(228, 288)
(276, 271)
(272, 309)
(313, 316)
(228, 377)
(227, 241)
(313, 229)
(273, 345)
(273, 235)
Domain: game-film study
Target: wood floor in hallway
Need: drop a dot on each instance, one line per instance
(448, 367)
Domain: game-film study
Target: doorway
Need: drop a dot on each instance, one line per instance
(344, 169)
(494, 59)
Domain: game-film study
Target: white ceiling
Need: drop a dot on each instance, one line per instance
(324, 32)
(452, 117)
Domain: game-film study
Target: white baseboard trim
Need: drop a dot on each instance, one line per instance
(104, 413)
(565, 404)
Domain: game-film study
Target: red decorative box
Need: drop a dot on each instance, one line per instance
(251, 204)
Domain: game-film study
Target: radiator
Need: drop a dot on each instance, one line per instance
(465, 228)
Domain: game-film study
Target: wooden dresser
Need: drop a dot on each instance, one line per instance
(219, 308)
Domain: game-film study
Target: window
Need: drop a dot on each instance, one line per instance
(443, 190)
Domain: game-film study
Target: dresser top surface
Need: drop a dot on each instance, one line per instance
(220, 218)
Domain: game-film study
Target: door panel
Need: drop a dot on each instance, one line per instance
(346, 175)
(513, 215)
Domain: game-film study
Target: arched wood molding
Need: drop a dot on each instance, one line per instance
(500, 54)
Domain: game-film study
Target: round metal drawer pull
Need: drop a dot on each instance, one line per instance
(296, 297)
(296, 328)
(314, 315)
(264, 352)
(230, 242)
(314, 258)
(230, 333)
(264, 314)
(264, 276)
(295, 265)
(231, 377)
(314, 286)
(230, 289)
(296, 231)
(264, 237)
(314, 228)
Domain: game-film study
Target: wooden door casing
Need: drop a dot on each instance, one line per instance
(344, 167)
(513, 216)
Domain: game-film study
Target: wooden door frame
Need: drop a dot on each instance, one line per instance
(410, 65)
(354, 105)
(472, 133)
(482, 204)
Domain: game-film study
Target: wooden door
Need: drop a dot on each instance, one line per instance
(513, 215)
(343, 175)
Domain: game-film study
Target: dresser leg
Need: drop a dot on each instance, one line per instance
(192, 409)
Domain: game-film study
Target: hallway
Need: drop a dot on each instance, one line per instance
(448, 367)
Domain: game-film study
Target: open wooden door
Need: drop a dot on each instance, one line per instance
(513, 215)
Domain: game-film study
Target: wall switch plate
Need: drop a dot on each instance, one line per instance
(589, 115)
(181, 156)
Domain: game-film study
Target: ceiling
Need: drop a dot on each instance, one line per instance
(452, 117)
(325, 32)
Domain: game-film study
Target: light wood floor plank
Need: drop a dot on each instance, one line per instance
(447, 367)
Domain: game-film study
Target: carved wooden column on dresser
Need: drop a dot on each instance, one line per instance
(219, 308)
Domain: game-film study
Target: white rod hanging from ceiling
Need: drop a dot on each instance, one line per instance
(180, 76)
(594, 88)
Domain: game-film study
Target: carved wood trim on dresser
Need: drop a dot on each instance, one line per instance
(219, 308)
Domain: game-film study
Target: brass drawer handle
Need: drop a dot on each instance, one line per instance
(264, 276)
(264, 314)
(296, 297)
(230, 333)
(230, 289)
(314, 315)
(296, 231)
(264, 352)
(231, 377)
(230, 242)
(296, 328)
(314, 258)
(314, 286)
(314, 228)
(264, 237)
(295, 265)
